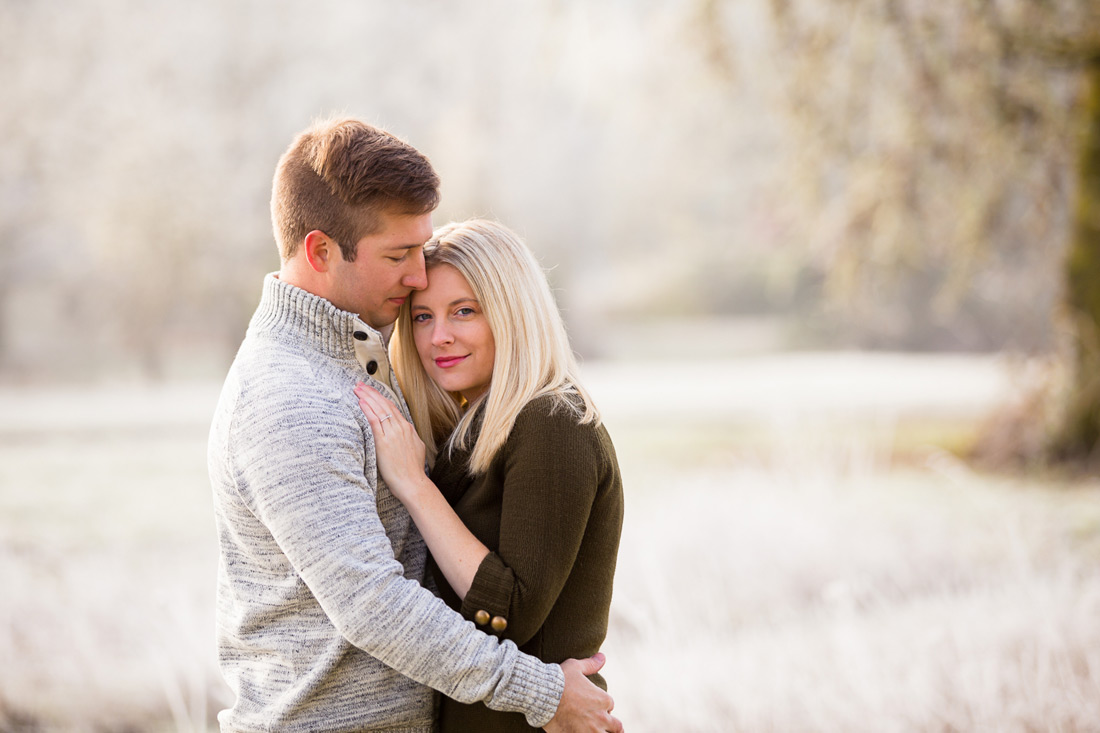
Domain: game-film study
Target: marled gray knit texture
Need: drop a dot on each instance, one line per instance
(322, 623)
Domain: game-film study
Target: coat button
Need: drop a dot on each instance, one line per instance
(499, 623)
(372, 367)
(481, 618)
(360, 336)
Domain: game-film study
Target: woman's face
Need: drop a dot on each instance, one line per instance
(452, 335)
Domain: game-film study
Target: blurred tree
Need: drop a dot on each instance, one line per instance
(1079, 434)
(137, 146)
(938, 138)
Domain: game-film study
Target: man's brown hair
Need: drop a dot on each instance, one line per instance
(338, 176)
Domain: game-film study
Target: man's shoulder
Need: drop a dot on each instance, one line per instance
(264, 360)
(270, 372)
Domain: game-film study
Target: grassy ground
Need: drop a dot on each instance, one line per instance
(780, 570)
(802, 594)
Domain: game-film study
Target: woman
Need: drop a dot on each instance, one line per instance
(524, 525)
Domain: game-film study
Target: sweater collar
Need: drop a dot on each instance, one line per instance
(286, 310)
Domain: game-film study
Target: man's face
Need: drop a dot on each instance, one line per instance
(388, 266)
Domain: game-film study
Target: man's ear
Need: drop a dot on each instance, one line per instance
(320, 250)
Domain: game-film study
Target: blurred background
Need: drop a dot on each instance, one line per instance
(831, 268)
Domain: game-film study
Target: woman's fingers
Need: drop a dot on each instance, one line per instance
(370, 408)
(399, 450)
(372, 418)
(383, 409)
(368, 397)
(380, 412)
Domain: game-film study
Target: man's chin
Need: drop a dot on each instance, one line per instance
(381, 320)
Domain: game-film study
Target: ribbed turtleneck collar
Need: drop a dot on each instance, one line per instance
(309, 319)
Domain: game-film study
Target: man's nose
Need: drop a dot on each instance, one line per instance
(416, 278)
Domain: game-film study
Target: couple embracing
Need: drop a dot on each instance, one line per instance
(380, 349)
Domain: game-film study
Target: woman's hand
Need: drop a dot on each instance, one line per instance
(399, 450)
(400, 453)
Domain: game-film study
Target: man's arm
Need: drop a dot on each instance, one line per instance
(299, 468)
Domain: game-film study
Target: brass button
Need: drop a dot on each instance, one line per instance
(499, 623)
(481, 618)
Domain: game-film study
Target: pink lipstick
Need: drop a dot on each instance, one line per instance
(446, 362)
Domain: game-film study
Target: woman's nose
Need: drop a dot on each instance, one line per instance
(441, 335)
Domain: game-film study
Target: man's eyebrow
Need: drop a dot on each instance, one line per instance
(404, 246)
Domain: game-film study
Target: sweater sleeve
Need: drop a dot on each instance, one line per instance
(299, 459)
(550, 467)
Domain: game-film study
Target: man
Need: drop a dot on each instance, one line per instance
(322, 624)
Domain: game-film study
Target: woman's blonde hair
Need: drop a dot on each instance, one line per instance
(533, 357)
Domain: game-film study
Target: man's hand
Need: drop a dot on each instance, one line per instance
(584, 708)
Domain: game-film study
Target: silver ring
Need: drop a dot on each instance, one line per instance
(387, 417)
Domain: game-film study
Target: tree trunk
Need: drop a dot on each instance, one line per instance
(1078, 437)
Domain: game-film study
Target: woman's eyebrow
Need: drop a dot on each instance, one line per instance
(452, 304)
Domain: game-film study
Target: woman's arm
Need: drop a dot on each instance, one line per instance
(558, 477)
(400, 454)
(558, 490)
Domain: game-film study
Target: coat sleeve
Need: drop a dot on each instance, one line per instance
(550, 468)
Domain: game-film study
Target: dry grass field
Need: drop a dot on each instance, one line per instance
(801, 553)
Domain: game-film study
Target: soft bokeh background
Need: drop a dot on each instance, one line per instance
(813, 256)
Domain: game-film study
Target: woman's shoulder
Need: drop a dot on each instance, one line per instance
(549, 430)
(557, 419)
(552, 409)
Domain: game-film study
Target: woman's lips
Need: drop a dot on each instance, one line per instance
(445, 362)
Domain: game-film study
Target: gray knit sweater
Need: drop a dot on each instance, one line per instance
(322, 623)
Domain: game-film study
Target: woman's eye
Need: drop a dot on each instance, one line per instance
(420, 318)
(465, 311)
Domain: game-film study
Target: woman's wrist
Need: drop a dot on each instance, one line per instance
(417, 488)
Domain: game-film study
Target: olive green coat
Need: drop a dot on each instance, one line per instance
(550, 510)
